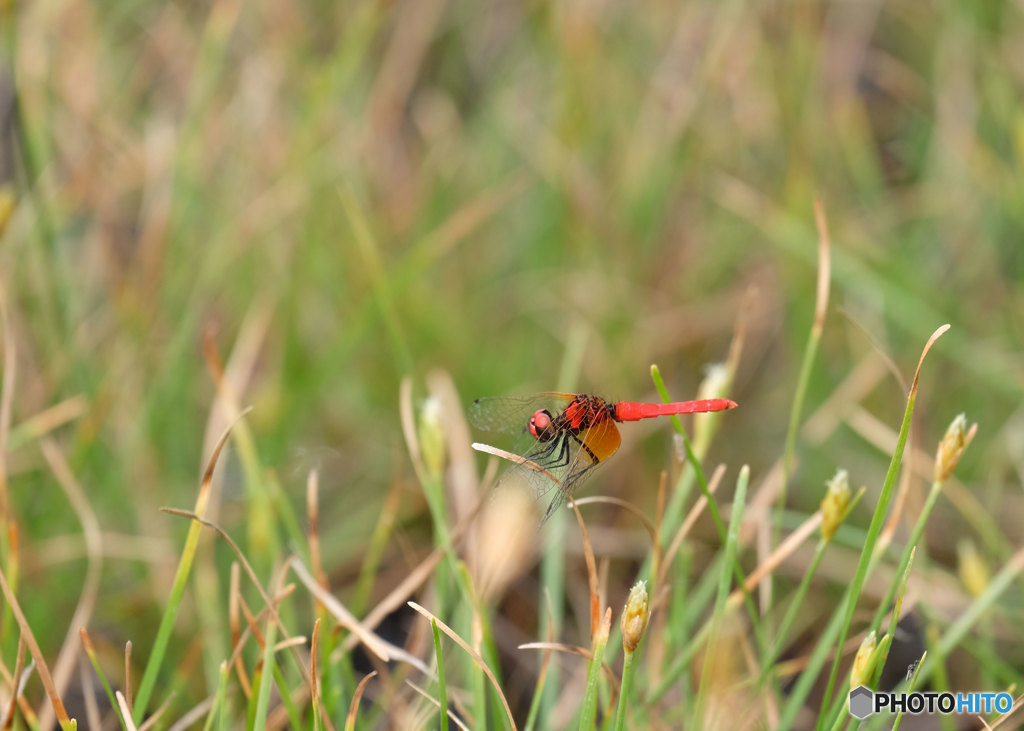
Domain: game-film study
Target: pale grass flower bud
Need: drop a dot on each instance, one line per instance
(717, 379)
(431, 436)
(974, 572)
(952, 447)
(635, 616)
(864, 662)
(716, 383)
(834, 504)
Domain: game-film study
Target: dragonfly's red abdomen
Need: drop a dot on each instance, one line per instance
(629, 411)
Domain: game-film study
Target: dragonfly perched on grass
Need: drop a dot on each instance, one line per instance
(569, 434)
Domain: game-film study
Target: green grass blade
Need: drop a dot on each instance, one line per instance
(731, 543)
(263, 694)
(588, 712)
(218, 711)
(874, 529)
(163, 634)
(442, 687)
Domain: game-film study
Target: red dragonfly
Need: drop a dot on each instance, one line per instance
(569, 433)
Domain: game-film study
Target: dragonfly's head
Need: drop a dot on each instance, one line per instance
(541, 427)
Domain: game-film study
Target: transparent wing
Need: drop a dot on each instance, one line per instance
(511, 414)
(553, 470)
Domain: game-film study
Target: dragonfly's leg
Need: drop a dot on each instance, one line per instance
(548, 458)
(563, 453)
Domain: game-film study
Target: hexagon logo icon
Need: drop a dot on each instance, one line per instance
(861, 702)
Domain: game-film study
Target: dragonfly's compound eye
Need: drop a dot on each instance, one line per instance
(540, 425)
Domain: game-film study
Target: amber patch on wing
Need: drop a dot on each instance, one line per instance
(602, 440)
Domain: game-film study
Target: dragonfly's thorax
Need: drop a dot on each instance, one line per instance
(582, 413)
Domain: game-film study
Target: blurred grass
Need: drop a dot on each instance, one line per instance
(379, 190)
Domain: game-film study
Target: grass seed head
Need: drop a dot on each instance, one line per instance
(716, 383)
(834, 504)
(952, 447)
(431, 434)
(635, 616)
(864, 662)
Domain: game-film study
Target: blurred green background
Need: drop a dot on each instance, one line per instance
(538, 195)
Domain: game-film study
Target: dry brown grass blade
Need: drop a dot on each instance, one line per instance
(19, 666)
(48, 419)
(585, 653)
(1018, 707)
(313, 516)
(480, 662)
(192, 716)
(126, 714)
(437, 704)
(619, 502)
(397, 596)
(780, 554)
(128, 676)
(592, 577)
(194, 515)
(271, 605)
(19, 683)
(353, 708)
(588, 555)
(37, 655)
(206, 486)
(381, 648)
(515, 458)
(234, 600)
(297, 641)
(252, 623)
(413, 581)
(231, 379)
(157, 715)
(65, 664)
